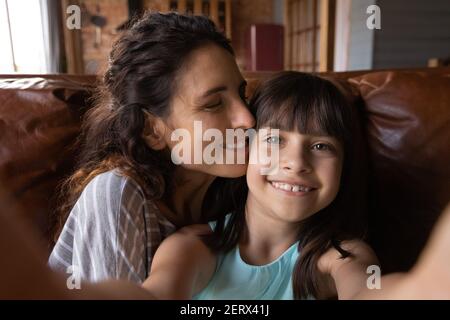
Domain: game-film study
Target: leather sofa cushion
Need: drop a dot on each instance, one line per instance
(39, 122)
(407, 123)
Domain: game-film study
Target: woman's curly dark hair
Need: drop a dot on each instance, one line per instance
(143, 66)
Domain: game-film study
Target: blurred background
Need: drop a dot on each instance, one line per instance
(268, 35)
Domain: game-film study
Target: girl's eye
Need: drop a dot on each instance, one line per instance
(273, 140)
(321, 147)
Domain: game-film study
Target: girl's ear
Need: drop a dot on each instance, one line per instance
(154, 130)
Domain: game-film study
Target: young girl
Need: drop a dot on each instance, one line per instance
(288, 237)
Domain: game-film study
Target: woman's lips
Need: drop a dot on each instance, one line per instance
(236, 146)
(233, 146)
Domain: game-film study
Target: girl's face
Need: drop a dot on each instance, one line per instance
(307, 179)
(210, 93)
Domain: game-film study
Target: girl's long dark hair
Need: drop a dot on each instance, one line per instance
(143, 66)
(295, 101)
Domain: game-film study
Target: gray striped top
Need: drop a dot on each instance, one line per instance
(111, 232)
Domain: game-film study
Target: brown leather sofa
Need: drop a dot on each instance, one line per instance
(404, 117)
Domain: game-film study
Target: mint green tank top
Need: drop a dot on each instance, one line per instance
(234, 279)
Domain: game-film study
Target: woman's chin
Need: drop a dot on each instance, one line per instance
(228, 170)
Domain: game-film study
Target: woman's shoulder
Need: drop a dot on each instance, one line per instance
(110, 194)
(114, 186)
(113, 181)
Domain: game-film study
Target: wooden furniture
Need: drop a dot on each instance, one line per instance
(218, 11)
(264, 48)
(309, 35)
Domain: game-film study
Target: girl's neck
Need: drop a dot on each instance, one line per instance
(266, 237)
(184, 205)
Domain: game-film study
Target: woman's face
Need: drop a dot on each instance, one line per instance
(209, 94)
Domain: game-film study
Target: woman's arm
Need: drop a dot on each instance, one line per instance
(428, 279)
(182, 265)
(347, 277)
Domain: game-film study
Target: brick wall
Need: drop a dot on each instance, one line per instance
(116, 12)
(244, 13)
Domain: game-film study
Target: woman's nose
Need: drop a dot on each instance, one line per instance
(240, 116)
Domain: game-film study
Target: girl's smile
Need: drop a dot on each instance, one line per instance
(292, 188)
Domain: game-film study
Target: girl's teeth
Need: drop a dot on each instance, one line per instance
(290, 187)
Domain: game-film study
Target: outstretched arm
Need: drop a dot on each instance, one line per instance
(24, 273)
(429, 278)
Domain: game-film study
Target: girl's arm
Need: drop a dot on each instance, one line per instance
(182, 265)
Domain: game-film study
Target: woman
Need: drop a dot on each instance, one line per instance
(165, 73)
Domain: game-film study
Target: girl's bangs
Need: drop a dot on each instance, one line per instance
(304, 112)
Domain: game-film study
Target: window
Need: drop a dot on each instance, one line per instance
(309, 36)
(22, 37)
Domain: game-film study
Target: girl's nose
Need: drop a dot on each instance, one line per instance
(295, 161)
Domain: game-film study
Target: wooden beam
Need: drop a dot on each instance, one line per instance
(198, 7)
(327, 20)
(314, 35)
(165, 7)
(161, 6)
(228, 31)
(295, 39)
(72, 43)
(214, 11)
(181, 6)
(287, 31)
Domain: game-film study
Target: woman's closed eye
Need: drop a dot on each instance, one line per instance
(213, 106)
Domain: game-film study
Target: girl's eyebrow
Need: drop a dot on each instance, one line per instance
(322, 136)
